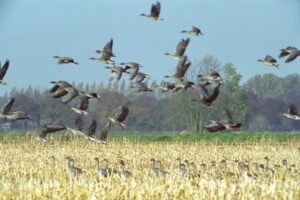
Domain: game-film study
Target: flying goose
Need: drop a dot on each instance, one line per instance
(91, 131)
(72, 170)
(195, 31)
(207, 99)
(167, 86)
(120, 116)
(51, 127)
(84, 103)
(181, 69)
(3, 71)
(107, 49)
(180, 49)
(140, 77)
(269, 60)
(63, 89)
(6, 113)
(79, 124)
(155, 11)
(210, 78)
(65, 60)
(226, 124)
(292, 112)
(116, 72)
(184, 85)
(104, 132)
(291, 52)
(140, 87)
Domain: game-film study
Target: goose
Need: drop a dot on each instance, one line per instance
(103, 171)
(269, 60)
(184, 85)
(104, 132)
(167, 86)
(6, 113)
(65, 60)
(195, 31)
(120, 116)
(140, 87)
(116, 72)
(51, 127)
(91, 131)
(65, 90)
(182, 170)
(83, 103)
(140, 77)
(161, 172)
(180, 49)
(226, 124)
(181, 69)
(72, 170)
(133, 67)
(153, 169)
(107, 49)
(3, 71)
(210, 78)
(291, 52)
(207, 99)
(292, 112)
(155, 11)
(124, 173)
(78, 126)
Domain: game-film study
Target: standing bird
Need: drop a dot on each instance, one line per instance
(291, 52)
(180, 49)
(65, 60)
(116, 72)
(155, 11)
(195, 31)
(51, 127)
(120, 116)
(181, 69)
(3, 71)
(269, 60)
(292, 113)
(6, 113)
(106, 54)
(72, 170)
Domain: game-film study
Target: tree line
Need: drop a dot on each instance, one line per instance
(257, 103)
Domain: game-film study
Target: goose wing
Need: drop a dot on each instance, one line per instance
(181, 46)
(121, 113)
(228, 116)
(104, 131)
(292, 109)
(92, 128)
(79, 123)
(155, 9)
(7, 107)
(214, 94)
(4, 69)
(293, 55)
(182, 67)
(83, 103)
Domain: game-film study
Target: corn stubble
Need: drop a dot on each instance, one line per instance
(31, 170)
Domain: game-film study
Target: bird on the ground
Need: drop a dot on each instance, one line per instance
(120, 116)
(3, 71)
(72, 170)
(104, 170)
(210, 78)
(154, 13)
(51, 127)
(269, 60)
(195, 31)
(181, 69)
(116, 72)
(6, 113)
(291, 52)
(124, 173)
(292, 112)
(65, 60)
(180, 49)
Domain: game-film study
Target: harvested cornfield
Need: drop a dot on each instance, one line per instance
(196, 170)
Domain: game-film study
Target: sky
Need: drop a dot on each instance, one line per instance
(239, 32)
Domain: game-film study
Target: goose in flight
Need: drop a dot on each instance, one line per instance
(210, 78)
(116, 72)
(180, 49)
(269, 60)
(154, 13)
(84, 103)
(167, 86)
(292, 112)
(226, 124)
(6, 113)
(104, 132)
(107, 49)
(65, 60)
(3, 71)
(207, 99)
(140, 87)
(120, 116)
(65, 90)
(140, 77)
(51, 127)
(106, 54)
(181, 69)
(290, 52)
(195, 31)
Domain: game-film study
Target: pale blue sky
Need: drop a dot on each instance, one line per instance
(33, 31)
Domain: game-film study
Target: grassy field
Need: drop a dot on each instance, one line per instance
(214, 166)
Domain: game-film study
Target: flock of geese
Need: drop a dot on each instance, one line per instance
(208, 86)
(187, 169)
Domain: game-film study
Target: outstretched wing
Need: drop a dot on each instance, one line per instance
(83, 103)
(7, 107)
(4, 69)
(182, 67)
(181, 46)
(104, 131)
(228, 116)
(214, 95)
(92, 128)
(121, 113)
(79, 123)
(155, 9)
(292, 109)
